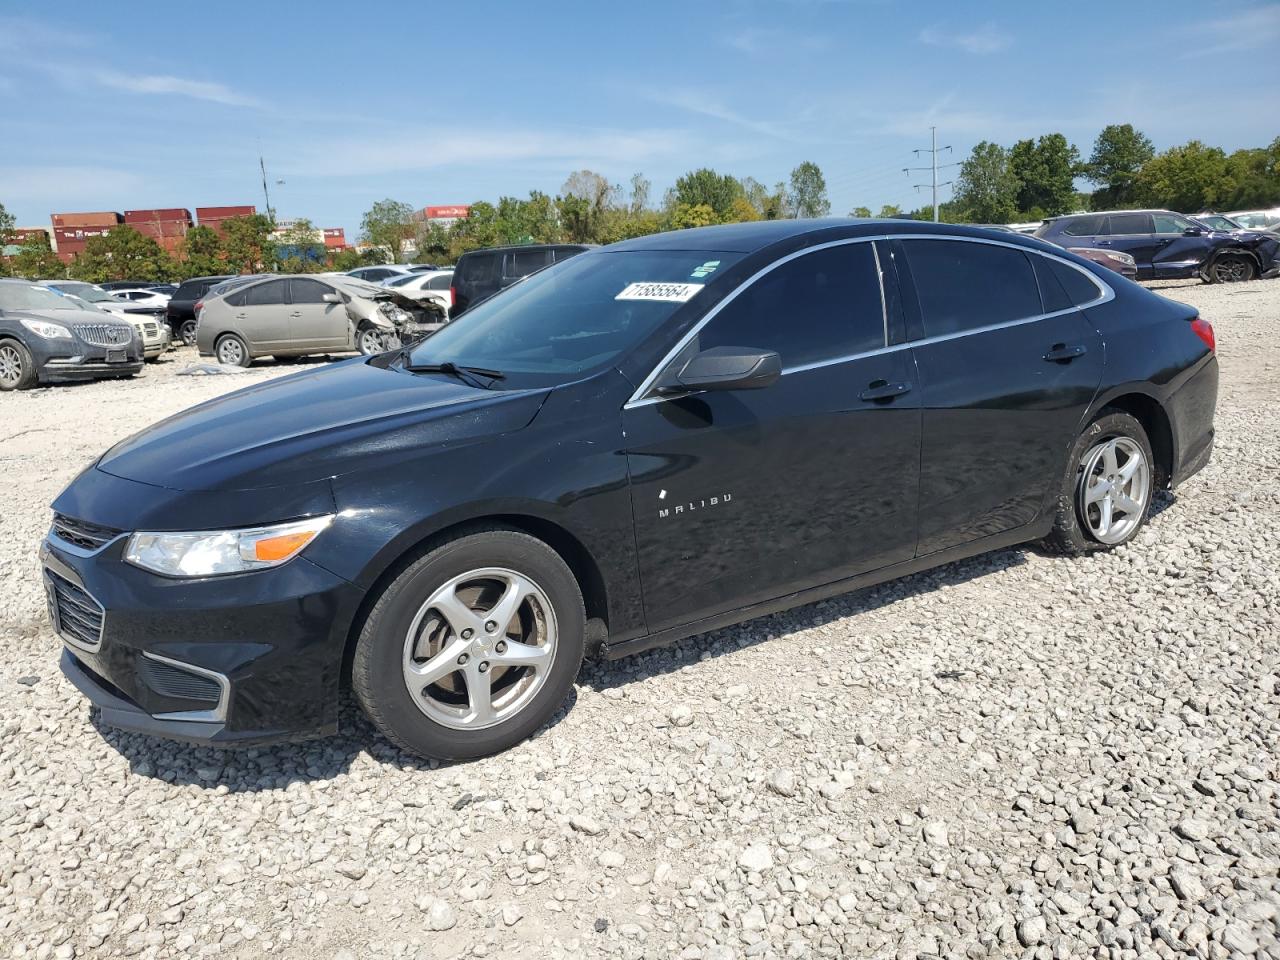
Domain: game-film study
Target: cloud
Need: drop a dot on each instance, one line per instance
(706, 104)
(173, 86)
(985, 39)
(753, 40)
(66, 187)
(1249, 29)
(21, 35)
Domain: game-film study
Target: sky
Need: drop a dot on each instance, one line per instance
(142, 105)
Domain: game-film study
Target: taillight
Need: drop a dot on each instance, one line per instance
(198, 307)
(1204, 330)
(453, 297)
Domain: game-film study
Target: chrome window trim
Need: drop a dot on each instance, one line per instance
(1105, 295)
(218, 714)
(884, 307)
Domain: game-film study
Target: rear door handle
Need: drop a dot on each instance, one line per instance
(883, 390)
(1062, 353)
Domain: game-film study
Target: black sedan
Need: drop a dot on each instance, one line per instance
(645, 442)
(46, 337)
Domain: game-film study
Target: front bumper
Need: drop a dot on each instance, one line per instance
(1269, 273)
(273, 640)
(61, 369)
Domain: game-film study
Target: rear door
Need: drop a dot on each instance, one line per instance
(1176, 253)
(1006, 375)
(264, 316)
(313, 323)
(744, 495)
(1135, 235)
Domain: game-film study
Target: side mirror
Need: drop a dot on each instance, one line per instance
(730, 368)
(1194, 232)
(331, 298)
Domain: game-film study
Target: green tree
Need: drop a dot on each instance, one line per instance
(344, 260)
(770, 204)
(889, 211)
(692, 215)
(1255, 177)
(808, 194)
(705, 187)
(860, 212)
(247, 245)
(298, 250)
(388, 224)
(987, 188)
(123, 254)
(35, 260)
(1186, 178)
(7, 223)
(1119, 153)
(201, 253)
(1046, 170)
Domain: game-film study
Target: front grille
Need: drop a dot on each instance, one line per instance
(152, 329)
(178, 684)
(103, 334)
(82, 533)
(76, 615)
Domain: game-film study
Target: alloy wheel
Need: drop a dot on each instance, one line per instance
(370, 342)
(1115, 486)
(188, 333)
(1232, 270)
(231, 352)
(480, 648)
(10, 365)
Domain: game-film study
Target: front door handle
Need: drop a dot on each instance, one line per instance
(1103, 243)
(1062, 353)
(883, 390)
(295, 314)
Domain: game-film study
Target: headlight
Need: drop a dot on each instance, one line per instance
(1122, 257)
(50, 331)
(213, 552)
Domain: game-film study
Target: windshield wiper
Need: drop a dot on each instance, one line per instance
(466, 374)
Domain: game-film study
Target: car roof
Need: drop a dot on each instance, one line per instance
(1103, 213)
(530, 246)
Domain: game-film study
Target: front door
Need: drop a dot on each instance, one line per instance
(313, 323)
(1006, 375)
(1178, 253)
(741, 496)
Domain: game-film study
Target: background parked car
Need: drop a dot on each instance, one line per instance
(1167, 245)
(379, 273)
(181, 309)
(1117, 260)
(146, 319)
(433, 285)
(1223, 223)
(142, 298)
(297, 316)
(482, 273)
(1257, 219)
(46, 336)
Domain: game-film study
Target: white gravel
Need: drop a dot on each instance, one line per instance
(1016, 755)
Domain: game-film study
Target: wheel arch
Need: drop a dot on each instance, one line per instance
(570, 548)
(1246, 252)
(1150, 412)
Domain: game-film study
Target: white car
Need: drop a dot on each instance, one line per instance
(434, 285)
(142, 298)
(1256, 219)
(148, 320)
(379, 273)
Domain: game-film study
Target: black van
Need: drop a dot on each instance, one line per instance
(482, 273)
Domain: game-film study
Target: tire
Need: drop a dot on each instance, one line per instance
(232, 351)
(1079, 521)
(369, 341)
(1231, 268)
(17, 368)
(407, 637)
(187, 333)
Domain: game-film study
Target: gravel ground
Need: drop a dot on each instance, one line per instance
(1016, 755)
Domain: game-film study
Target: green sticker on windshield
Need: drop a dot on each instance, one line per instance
(707, 268)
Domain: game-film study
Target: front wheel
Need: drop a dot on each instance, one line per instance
(1107, 491)
(17, 368)
(369, 341)
(473, 647)
(1231, 268)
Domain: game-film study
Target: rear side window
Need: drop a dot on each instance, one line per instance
(264, 294)
(1122, 224)
(1052, 296)
(521, 263)
(963, 286)
(564, 253)
(1078, 287)
(306, 290)
(1083, 227)
(235, 298)
(479, 268)
(821, 306)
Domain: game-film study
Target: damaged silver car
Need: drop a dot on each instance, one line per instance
(298, 316)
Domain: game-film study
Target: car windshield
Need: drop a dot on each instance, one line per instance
(575, 316)
(86, 291)
(20, 296)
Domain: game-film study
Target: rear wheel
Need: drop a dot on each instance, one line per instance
(1231, 268)
(472, 647)
(17, 369)
(1107, 491)
(187, 332)
(232, 351)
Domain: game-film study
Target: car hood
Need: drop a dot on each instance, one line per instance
(68, 317)
(314, 425)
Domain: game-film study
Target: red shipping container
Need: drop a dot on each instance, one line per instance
(65, 235)
(101, 219)
(224, 213)
(160, 228)
(152, 216)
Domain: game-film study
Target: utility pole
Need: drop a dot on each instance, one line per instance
(933, 152)
(262, 165)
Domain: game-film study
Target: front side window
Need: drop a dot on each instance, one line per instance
(818, 307)
(1167, 223)
(963, 285)
(1127, 224)
(306, 290)
(576, 316)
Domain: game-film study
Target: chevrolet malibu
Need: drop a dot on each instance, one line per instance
(645, 442)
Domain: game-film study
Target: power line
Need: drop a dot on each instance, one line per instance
(933, 152)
